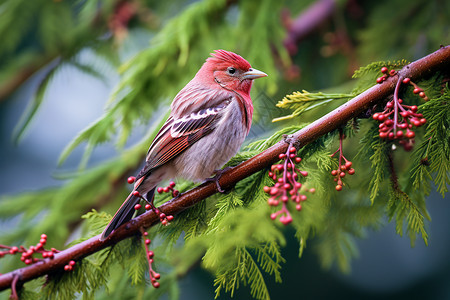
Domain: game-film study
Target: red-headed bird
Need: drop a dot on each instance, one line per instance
(210, 118)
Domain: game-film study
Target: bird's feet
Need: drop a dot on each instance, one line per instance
(216, 179)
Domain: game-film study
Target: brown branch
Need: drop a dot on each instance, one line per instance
(439, 60)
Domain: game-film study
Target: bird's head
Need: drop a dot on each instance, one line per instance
(231, 71)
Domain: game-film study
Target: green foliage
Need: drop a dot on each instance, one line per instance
(230, 235)
(304, 101)
(432, 155)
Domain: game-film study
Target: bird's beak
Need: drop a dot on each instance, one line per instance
(253, 74)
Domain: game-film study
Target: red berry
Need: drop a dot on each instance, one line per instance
(379, 79)
(422, 94)
(342, 174)
(298, 159)
(351, 171)
(391, 135)
(400, 101)
(166, 189)
(172, 184)
(72, 263)
(312, 190)
(423, 121)
(273, 216)
(67, 268)
(348, 164)
(406, 80)
(157, 276)
(381, 117)
(155, 284)
(298, 207)
(281, 156)
(407, 147)
(150, 254)
(383, 135)
(384, 70)
(392, 72)
(159, 190)
(292, 149)
(399, 134)
(338, 187)
(375, 116)
(43, 236)
(416, 91)
(414, 108)
(147, 207)
(131, 179)
(147, 242)
(164, 222)
(304, 173)
(410, 134)
(137, 206)
(136, 193)
(169, 218)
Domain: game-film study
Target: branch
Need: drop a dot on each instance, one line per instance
(307, 22)
(439, 60)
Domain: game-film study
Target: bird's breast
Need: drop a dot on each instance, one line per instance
(214, 150)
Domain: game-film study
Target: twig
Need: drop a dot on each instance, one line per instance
(439, 60)
(307, 22)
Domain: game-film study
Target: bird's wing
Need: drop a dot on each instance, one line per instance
(176, 135)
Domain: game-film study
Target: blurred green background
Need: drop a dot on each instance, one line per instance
(62, 61)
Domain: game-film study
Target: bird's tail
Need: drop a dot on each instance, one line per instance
(124, 213)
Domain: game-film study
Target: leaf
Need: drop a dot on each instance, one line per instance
(304, 101)
(35, 102)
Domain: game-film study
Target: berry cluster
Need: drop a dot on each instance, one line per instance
(343, 168)
(398, 119)
(162, 216)
(154, 277)
(69, 266)
(169, 188)
(27, 254)
(286, 175)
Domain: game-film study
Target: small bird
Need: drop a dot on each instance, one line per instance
(210, 118)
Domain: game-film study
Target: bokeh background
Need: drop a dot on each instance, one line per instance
(324, 42)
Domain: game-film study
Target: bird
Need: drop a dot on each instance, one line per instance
(209, 121)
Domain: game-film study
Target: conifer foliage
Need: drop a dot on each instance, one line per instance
(391, 151)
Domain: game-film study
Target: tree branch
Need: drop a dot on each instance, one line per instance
(308, 21)
(439, 60)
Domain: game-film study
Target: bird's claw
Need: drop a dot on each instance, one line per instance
(217, 177)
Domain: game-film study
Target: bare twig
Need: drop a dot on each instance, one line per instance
(439, 60)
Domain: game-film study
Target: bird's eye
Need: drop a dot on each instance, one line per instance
(231, 70)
